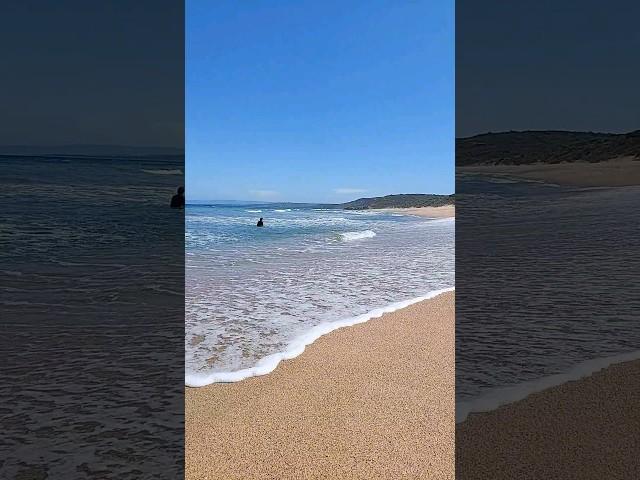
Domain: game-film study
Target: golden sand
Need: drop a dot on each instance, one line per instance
(614, 173)
(587, 429)
(375, 400)
(446, 211)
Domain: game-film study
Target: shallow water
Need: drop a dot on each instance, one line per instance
(546, 282)
(251, 292)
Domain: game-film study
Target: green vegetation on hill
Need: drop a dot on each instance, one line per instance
(516, 148)
(400, 201)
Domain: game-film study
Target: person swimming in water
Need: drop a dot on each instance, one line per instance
(260, 223)
(177, 201)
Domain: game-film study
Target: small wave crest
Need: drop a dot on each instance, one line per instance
(351, 236)
(282, 210)
(254, 211)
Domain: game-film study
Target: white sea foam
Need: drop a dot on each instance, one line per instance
(282, 210)
(273, 286)
(431, 221)
(351, 236)
(163, 172)
(514, 393)
(269, 363)
(254, 211)
(364, 212)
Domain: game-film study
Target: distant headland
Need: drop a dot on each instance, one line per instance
(583, 159)
(545, 146)
(410, 200)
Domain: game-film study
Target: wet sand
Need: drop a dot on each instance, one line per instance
(446, 211)
(614, 173)
(374, 400)
(587, 429)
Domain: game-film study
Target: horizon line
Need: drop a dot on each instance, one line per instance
(190, 201)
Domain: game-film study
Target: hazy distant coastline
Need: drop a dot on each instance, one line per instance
(412, 200)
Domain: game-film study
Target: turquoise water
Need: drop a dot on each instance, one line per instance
(254, 293)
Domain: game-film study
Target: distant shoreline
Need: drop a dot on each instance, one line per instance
(433, 211)
(621, 172)
(446, 211)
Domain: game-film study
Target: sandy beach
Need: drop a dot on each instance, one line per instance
(613, 173)
(587, 429)
(375, 400)
(446, 211)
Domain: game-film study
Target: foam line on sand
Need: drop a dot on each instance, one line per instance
(375, 400)
(507, 395)
(269, 363)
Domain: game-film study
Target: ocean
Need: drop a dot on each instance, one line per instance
(91, 293)
(546, 281)
(255, 296)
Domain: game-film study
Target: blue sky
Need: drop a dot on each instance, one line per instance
(309, 101)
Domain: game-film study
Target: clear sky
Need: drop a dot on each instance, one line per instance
(309, 101)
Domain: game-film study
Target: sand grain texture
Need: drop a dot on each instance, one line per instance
(374, 400)
(587, 429)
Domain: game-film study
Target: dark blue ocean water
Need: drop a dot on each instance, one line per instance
(91, 294)
(62, 215)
